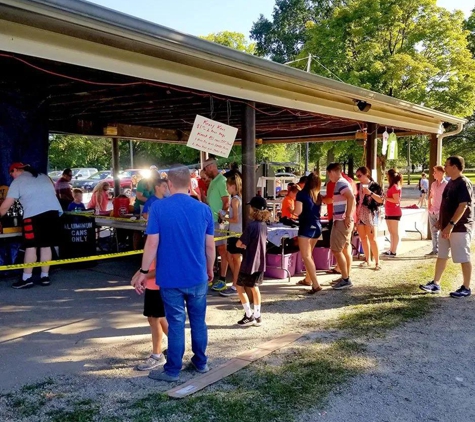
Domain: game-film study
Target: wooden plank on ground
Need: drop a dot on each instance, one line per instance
(202, 381)
(234, 365)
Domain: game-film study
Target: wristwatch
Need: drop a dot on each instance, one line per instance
(144, 271)
(452, 223)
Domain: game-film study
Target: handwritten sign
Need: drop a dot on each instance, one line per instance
(211, 136)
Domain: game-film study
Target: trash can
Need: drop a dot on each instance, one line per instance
(78, 239)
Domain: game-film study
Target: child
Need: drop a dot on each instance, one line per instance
(234, 187)
(253, 265)
(155, 312)
(77, 204)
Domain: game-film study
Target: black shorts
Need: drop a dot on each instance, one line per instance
(153, 304)
(250, 280)
(232, 248)
(393, 217)
(42, 230)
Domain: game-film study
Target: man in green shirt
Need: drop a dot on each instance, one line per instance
(218, 200)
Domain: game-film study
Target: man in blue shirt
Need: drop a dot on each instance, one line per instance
(181, 238)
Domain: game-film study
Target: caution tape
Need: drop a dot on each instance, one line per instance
(105, 217)
(85, 258)
(70, 260)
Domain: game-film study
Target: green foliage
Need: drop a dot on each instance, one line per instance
(281, 39)
(79, 151)
(412, 50)
(230, 39)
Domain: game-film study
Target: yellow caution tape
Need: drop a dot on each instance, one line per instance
(104, 217)
(70, 260)
(85, 258)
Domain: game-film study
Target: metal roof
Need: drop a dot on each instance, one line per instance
(73, 36)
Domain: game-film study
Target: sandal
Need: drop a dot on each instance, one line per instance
(377, 267)
(314, 290)
(303, 282)
(332, 271)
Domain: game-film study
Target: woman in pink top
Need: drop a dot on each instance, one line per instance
(100, 197)
(392, 209)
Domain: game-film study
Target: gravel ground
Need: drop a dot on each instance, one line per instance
(423, 372)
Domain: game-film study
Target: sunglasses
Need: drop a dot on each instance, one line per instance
(359, 176)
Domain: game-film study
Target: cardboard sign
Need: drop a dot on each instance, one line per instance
(212, 137)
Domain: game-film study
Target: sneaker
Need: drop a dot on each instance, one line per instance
(343, 284)
(364, 264)
(160, 375)
(228, 292)
(258, 321)
(461, 292)
(45, 281)
(151, 363)
(23, 284)
(389, 254)
(430, 287)
(200, 370)
(219, 286)
(336, 281)
(246, 321)
(433, 253)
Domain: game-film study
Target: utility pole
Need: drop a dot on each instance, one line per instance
(131, 145)
(409, 168)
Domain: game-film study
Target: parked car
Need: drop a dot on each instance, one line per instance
(55, 175)
(80, 173)
(137, 174)
(89, 184)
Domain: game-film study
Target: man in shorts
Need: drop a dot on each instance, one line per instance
(343, 224)
(218, 200)
(41, 225)
(455, 224)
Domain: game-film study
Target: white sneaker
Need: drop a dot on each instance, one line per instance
(152, 363)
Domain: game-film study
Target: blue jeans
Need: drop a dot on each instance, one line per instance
(174, 301)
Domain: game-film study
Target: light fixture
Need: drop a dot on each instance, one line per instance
(362, 105)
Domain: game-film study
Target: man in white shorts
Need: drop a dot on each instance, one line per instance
(456, 223)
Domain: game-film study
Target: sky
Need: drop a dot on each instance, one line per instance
(202, 17)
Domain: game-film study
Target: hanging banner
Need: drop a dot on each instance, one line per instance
(392, 147)
(385, 142)
(212, 137)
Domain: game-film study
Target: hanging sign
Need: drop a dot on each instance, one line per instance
(385, 142)
(392, 147)
(212, 137)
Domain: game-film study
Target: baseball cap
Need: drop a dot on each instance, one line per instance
(14, 166)
(258, 202)
(209, 161)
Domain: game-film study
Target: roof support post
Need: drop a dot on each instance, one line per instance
(248, 136)
(115, 166)
(434, 159)
(372, 147)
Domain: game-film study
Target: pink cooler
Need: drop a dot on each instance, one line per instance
(274, 265)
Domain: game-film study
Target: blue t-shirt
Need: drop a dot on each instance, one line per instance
(310, 216)
(76, 207)
(182, 224)
(149, 203)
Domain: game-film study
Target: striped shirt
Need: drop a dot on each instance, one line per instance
(339, 201)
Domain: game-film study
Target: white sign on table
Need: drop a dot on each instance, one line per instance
(212, 137)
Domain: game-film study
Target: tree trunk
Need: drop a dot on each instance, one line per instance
(351, 165)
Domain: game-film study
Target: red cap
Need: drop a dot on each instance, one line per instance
(16, 166)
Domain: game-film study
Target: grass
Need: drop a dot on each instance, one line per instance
(278, 388)
(266, 391)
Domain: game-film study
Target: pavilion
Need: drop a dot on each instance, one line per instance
(74, 67)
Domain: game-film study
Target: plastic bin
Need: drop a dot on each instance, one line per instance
(323, 258)
(274, 265)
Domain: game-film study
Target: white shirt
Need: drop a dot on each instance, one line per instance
(36, 194)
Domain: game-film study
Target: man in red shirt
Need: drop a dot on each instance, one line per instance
(63, 189)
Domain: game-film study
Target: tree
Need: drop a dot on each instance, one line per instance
(230, 39)
(412, 50)
(282, 38)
